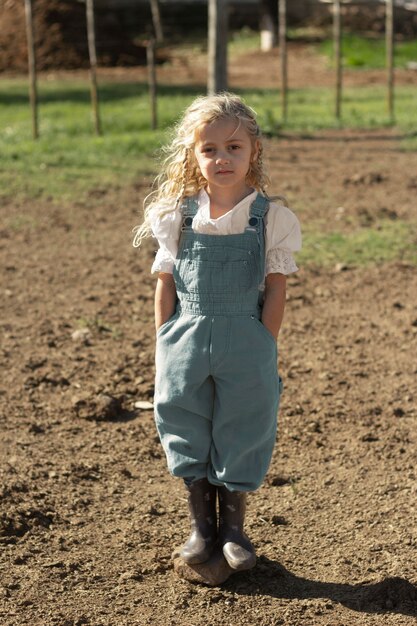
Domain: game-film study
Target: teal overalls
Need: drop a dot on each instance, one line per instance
(217, 387)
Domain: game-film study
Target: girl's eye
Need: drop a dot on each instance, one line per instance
(234, 147)
(207, 150)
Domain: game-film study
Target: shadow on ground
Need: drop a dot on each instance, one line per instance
(394, 595)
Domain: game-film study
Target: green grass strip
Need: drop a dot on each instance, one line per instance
(69, 159)
(365, 53)
(390, 241)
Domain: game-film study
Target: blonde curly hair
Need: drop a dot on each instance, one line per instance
(181, 176)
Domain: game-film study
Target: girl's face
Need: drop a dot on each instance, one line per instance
(224, 151)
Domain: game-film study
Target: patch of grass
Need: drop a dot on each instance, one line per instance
(69, 160)
(364, 53)
(312, 109)
(98, 325)
(389, 241)
(409, 144)
(22, 222)
(244, 40)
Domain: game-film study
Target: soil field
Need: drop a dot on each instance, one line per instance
(89, 515)
(252, 69)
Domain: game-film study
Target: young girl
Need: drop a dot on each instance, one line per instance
(224, 252)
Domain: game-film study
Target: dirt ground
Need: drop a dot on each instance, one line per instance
(89, 515)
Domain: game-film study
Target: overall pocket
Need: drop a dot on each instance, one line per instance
(264, 329)
(161, 330)
(217, 277)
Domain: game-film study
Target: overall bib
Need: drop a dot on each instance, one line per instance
(217, 387)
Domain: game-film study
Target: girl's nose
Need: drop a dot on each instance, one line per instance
(222, 158)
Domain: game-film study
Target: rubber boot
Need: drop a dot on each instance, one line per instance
(237, 548)
(202, 506)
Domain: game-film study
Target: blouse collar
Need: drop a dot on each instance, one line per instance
(204, 205)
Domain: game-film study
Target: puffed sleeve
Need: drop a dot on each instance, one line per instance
(283, 238)
(166, 229)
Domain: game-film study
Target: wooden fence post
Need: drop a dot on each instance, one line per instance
(93, 64)
(217, 45)
(156, 19)
(282, 30)
(33, 92)
(389, 45)
(337, 38)
(150, 57)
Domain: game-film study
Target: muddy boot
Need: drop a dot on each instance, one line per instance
(202, 505)
(237, 549)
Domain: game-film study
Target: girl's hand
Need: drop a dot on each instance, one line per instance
(274, 302)
(165, 299)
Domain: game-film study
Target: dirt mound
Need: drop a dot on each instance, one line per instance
(393, 593)
(61, 37)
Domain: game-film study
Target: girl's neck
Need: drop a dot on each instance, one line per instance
(222, 201)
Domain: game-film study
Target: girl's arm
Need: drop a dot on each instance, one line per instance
(165, 298)
(274, 302)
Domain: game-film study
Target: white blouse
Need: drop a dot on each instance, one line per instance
(282, 232)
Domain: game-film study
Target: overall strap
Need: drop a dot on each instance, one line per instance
(258, 208)
(257, 212)
(189, 208)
